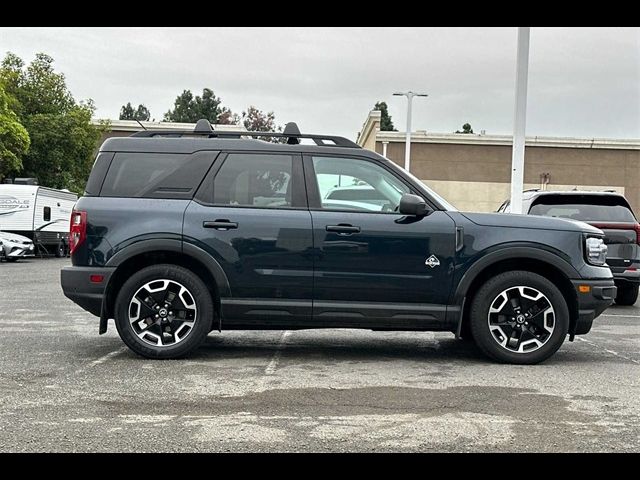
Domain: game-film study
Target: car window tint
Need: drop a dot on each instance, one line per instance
(155, 175)
(256, 180)
(354, 184)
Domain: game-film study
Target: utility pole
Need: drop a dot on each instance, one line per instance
(519, 120)
(407, 148)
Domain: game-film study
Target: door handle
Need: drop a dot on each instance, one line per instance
(220, 225)
(343, 229)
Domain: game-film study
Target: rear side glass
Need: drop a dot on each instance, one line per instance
(156, 175)
(99, 170)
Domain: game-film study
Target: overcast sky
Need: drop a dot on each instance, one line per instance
(583, 82)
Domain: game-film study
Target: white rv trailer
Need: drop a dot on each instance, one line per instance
(37, 212)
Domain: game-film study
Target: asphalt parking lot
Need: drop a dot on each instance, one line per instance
(64, 388)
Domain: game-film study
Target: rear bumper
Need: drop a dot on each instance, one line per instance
(77, 286)
(625, 275)
(591, 304)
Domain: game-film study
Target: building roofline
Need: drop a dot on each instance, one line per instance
(134, 126)
(535, 141)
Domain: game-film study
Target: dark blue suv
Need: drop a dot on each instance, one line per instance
(182, 233)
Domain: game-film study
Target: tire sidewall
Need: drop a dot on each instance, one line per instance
(198, 290)
(485, 297)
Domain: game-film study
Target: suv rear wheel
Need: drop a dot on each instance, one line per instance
(627, 294)
(163, 311)
(519, 317)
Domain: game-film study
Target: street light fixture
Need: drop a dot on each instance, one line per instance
(407, 149)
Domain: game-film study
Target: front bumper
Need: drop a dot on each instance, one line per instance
(77, 286)
(594, 297)
(18, 250)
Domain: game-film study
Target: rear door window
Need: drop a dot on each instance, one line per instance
(256, 180)
(156, 175)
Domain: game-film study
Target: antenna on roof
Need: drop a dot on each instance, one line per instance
(292, 129)
(203, 126)
(139, 123)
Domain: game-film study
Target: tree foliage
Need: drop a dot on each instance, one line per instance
(256, 120)
(14, 138)
(386, 124)
(190, 109)
(466, 128)
(127, 112)
(63, 140)
(227, 117)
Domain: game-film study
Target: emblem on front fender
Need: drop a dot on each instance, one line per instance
(432, 261)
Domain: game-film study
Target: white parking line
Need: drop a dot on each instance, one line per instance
(616, 315)
(101, 360)
(637, 362)
(273, 364)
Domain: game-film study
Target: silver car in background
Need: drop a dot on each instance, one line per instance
(13, 247)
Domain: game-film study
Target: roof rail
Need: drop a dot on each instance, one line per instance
(531, 190)
(291, 133)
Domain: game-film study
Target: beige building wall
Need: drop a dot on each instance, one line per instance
(473, 171)
(477, 177)
(488, 196)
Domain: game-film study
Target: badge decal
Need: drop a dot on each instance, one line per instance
(432, 261)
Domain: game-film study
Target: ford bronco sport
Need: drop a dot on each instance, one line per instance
(182, 233)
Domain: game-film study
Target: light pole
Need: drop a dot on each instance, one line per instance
(407, 149)
(519, 120)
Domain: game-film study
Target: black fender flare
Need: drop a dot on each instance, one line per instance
(505, 253)
(171, 245)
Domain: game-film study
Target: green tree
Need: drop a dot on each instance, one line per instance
(386, 124)
(63, 139)
(14, 138)
(127, 112)
(466, 128)
(190, 109)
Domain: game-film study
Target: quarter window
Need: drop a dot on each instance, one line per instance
(358, 185)
(155, 175)
(254, 180)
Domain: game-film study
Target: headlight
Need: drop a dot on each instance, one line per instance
(596, 251)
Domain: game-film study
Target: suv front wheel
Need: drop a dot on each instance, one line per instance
(519, 317)
(163, 311)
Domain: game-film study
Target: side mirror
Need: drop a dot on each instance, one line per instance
(413, 205)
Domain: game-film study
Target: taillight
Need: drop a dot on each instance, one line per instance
(77, 230)
(619, 226)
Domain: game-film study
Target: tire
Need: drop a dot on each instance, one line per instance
(627, 294)
(60, 250)
(138, 298)
(527, 334)
(11, 259)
